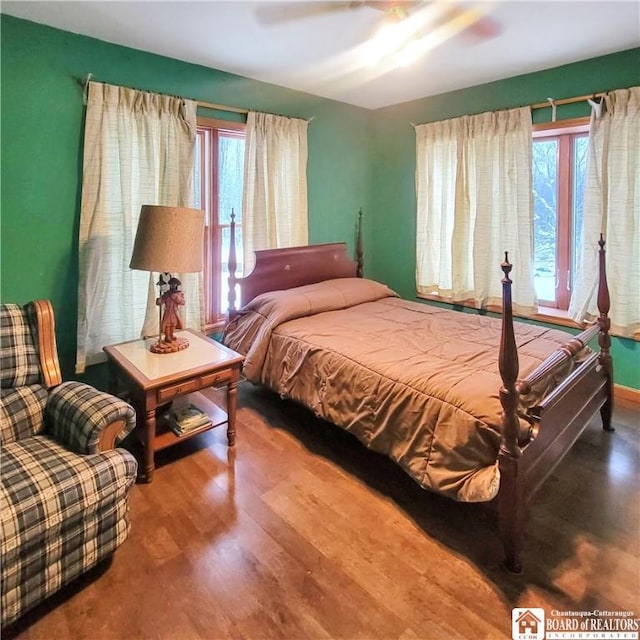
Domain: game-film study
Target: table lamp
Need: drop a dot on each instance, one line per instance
(169, 240)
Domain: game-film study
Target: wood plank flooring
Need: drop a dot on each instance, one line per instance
(300, 533)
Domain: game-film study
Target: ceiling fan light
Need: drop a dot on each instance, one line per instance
(397, 13)
(409, 53)
(387, 40)
(389, 33)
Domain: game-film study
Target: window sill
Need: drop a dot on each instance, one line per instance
(552, 315)
(548, 315)
(215, 327)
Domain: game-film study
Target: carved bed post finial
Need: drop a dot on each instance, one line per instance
(510, 499)
(359, 249)
(509, 367)
(604, 340)
(232, 264)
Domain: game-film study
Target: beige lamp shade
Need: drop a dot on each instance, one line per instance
(168, 240)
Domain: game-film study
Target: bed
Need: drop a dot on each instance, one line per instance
(475, 408)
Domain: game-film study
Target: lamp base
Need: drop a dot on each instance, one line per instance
(178, 344)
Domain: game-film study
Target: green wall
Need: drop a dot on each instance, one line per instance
(391, 257)
(357, 158)
(41, 152)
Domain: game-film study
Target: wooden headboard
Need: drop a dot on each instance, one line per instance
(277, 269)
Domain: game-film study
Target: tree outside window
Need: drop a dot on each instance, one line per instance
(218, 183)
(559, 165)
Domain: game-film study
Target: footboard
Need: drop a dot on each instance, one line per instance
(557, 422)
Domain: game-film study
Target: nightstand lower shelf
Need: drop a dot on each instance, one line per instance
(166, 437)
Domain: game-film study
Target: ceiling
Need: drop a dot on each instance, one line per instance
(326, 54)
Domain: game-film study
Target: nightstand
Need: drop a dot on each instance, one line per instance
(156, 382)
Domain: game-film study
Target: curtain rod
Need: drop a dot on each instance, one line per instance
(554, 103)
(207, 105)
(550, 101)
(221, 107)
(201, 103)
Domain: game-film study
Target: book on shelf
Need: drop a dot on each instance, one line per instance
(187, 418)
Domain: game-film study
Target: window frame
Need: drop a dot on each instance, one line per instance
(215, 317)
(545, 313)
(565, 133)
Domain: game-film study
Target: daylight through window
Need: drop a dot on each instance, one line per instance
(219, 169)
(559, 164)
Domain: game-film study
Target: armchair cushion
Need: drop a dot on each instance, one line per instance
(19, 363)
(76, 415)
(21, 412)
(60, 513)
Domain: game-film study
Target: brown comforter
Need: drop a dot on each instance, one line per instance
(413, 381)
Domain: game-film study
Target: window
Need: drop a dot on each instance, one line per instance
(219, 169)
(559, 164)
(473, 202)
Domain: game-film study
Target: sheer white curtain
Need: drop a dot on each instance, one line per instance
(474, 202)
(612, 207)
(138, 149)
(274, 201)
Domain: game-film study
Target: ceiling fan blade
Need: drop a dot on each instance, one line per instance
(389, 5)
(486, 28)
(282, 12)
(474, 20)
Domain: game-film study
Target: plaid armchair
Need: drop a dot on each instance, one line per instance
(63, 486)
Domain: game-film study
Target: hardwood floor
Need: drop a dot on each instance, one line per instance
(301, 532)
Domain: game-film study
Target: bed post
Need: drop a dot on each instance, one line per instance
(604, 340)
(510, 505)
(232, 265)
(359, 249)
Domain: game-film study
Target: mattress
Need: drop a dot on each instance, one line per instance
(415, 382)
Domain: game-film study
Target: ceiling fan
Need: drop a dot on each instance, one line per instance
(472, 17)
